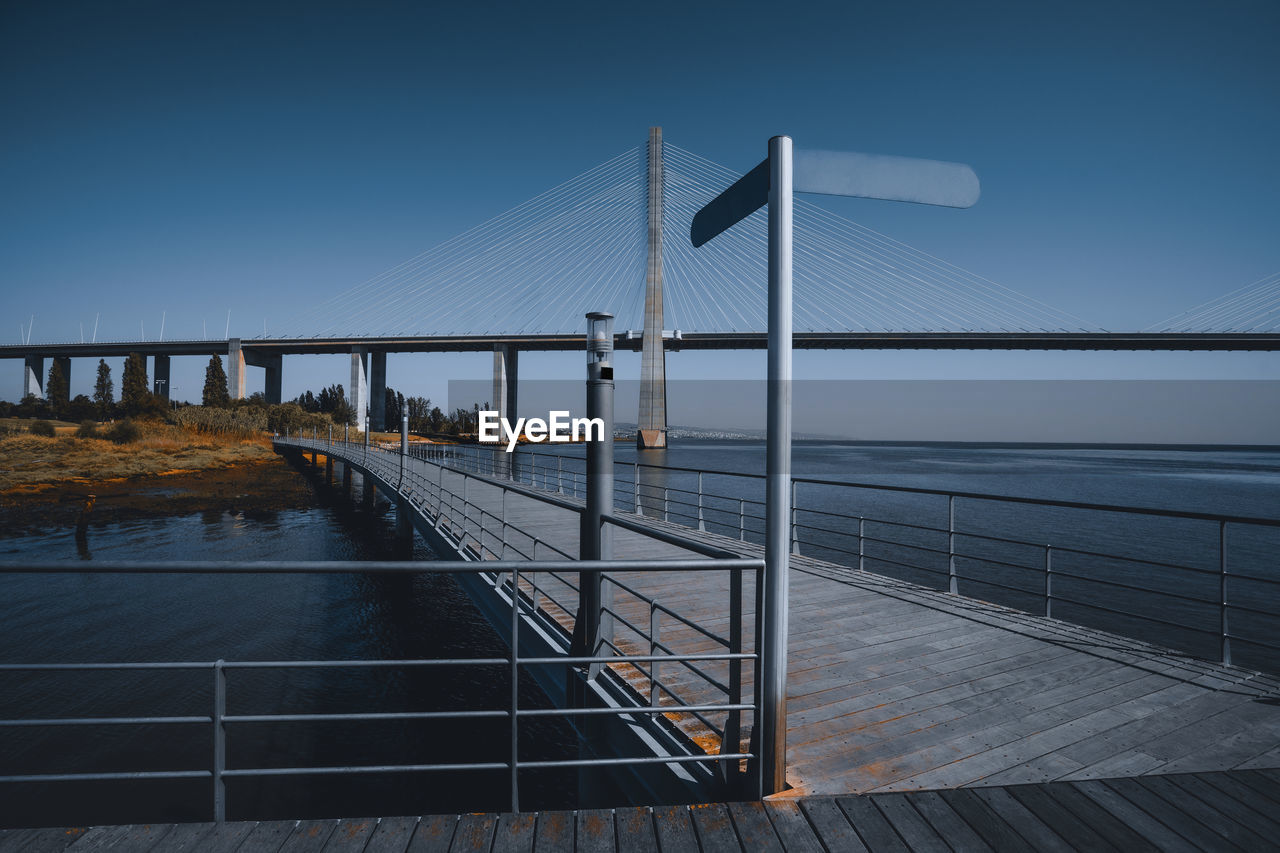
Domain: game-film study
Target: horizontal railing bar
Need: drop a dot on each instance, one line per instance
(629, 658)
(616, 762)
(717, 563)
(1132, 587)
(363, 768)
(384, 715)
(1131, 615)
(55, 667)
(901, 564)
(101, 777)
(337, 664)
(104, 721)
(639, 709)
(721, 556)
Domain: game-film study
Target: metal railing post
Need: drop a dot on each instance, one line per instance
(1048, 581)
(795, 529)
(219, 742)
(655, 692)
(560, 474)
(952, 582)
(666, 503)
(1222, 593)
(701, 523)
(635, 481)
(862, 552)
(733, 723)
(742, 526)
(515, 690)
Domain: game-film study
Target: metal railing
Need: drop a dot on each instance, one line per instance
(465, 525)
(1195, 581)
(522, 607)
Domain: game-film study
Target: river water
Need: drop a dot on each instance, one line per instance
(1145, 576)
(115, 618)
(79, 618)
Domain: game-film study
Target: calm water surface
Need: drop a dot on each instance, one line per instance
(88, 618)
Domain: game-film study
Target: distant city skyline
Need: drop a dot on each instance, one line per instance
(186, 161)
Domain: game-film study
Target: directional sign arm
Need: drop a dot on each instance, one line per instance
(885, 177)
(747, 195)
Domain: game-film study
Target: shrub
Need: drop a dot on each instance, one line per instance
(43, 428)
(212, 420)
(88, 429)
(124, 432)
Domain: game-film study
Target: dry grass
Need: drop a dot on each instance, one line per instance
(29, 463)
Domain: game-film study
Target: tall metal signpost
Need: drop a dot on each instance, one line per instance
(773, 182)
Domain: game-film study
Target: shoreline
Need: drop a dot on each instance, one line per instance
(257, 485)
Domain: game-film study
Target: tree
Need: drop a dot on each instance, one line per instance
(57, 389)
(215, 384)
(133, 385)
(104, 390)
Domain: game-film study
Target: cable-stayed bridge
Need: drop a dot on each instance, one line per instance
(616, 238)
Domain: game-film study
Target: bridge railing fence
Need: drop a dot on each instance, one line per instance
(516, 755)
(638, 620)
(1203, 583)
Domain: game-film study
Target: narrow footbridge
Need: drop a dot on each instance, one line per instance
(929, 645)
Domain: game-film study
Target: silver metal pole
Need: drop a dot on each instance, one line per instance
(953, 582)
(595, 537)
(1222, 593)
(773, 744)
(404, 443)
(219, 742)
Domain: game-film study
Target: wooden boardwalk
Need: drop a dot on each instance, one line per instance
(1207, 811)
(896, 687)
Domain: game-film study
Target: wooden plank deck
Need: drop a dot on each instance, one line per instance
(1204, 811)
(896, 687)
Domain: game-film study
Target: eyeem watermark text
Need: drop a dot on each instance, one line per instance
(558, 428)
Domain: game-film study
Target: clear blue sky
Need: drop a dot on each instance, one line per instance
(197, 157)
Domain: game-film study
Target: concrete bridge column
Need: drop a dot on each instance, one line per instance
(235, 369)
(274, 365)
(64, 364)
(346, 480)
(33, 376)
(367, 494)
(359, 388)
(378, 391)
(160, 385)
(505, 380)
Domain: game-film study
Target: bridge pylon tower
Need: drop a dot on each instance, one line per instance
(652, 427)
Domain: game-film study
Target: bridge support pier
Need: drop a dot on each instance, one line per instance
(378, 391)
(505, 384)
(366, 492)
(235, 369)
(328, 470)
(359, 388)
(160, 372)
(346, 480)
(274, 366)
(64, 364)
(33, 376)
(404, 523)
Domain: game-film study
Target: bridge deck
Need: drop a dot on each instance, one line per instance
(895, 687)
(1208, 811)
